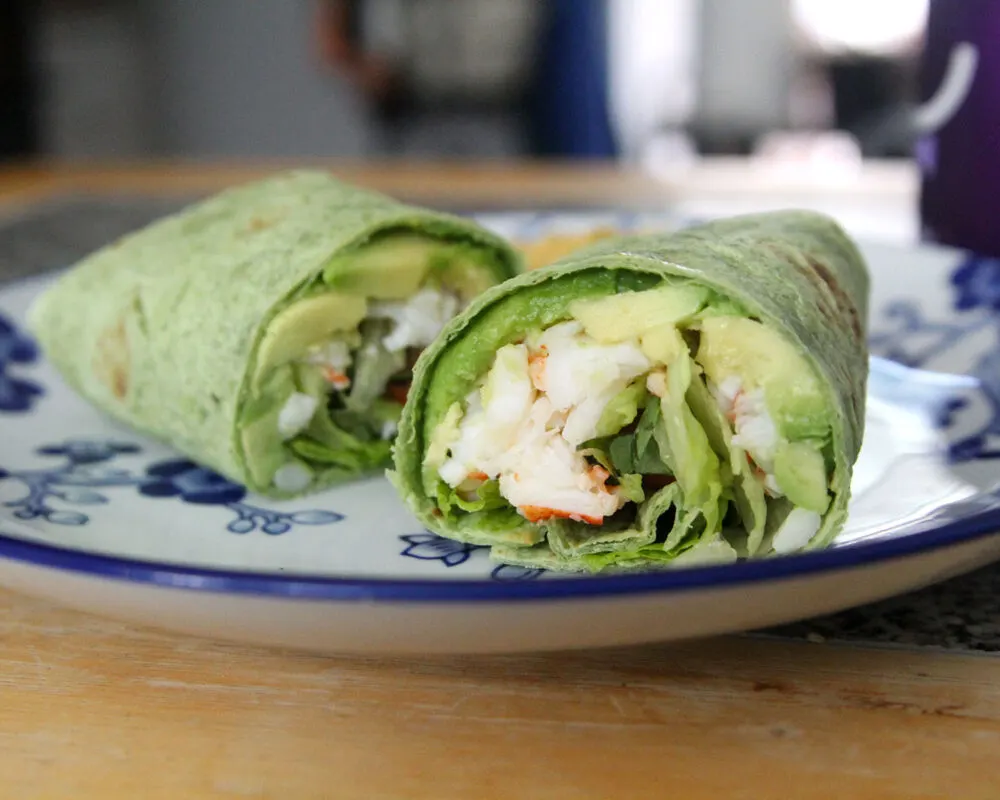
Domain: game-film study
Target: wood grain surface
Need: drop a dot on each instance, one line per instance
(498, 184)
(96, 709)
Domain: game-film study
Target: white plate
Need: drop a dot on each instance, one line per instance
(96, 517)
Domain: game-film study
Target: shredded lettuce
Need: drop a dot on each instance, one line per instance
(342, 438)
(622, 409)
(373, 366)
(696, 464)
(485, 498)
(363, 459)
(747, 491)
(714, 550)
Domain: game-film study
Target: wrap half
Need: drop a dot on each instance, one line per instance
(654, 400)
(268, 332)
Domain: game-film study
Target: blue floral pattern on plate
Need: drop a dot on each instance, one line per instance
(912, 339)
(17, 395)
(86, 467)
(431, 547)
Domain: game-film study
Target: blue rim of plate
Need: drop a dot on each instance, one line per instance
(171, 576)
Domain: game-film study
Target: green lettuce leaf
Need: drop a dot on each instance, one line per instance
(569, 538)
(597, 449)
(681, 435)
(373, 367)
(540, 556)
(487, 498)
(747, 491)
(365, 458)
(622, 409)
(344, 439)
(631, 488)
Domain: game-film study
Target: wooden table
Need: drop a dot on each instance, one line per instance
(95, 709)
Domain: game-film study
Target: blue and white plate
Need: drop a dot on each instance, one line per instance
(95, 516)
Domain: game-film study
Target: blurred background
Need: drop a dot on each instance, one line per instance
(653, 82)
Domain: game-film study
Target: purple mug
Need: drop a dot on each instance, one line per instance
(958, 150)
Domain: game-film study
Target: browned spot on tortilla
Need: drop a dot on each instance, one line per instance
(843, 302)
(111, 359)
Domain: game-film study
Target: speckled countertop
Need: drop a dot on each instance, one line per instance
(961, 614)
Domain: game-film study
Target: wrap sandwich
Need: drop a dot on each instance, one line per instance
(649, 401)
(268, 332)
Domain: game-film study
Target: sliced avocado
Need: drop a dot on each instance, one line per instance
(762, 358)
(445, 434)
(801, 475)
(394, 267)
(461, 269)
(390, 268)
(663, 344)
(620, 317)
(306, 323)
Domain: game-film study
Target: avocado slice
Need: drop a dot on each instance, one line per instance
(800, 472)
(445, 434)
(762, 358)
(460, 267)
(663, 344)
(304, 323)
(391, 267)
(620, 317)
(396, 265)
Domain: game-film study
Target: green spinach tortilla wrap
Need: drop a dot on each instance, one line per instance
(649, 401)
(268, 332)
